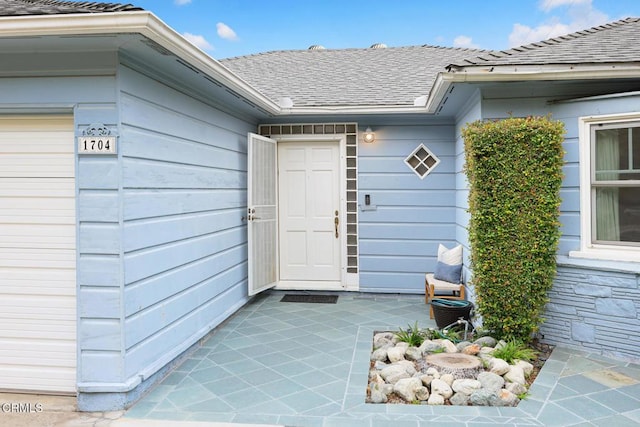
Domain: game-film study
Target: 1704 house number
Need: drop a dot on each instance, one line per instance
(97, 145)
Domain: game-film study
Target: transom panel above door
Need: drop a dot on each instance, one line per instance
(310, 229)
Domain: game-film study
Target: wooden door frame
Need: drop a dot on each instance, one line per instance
(341, 140)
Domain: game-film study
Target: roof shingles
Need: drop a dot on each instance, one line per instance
(615, 42)
(393, 76)
(56, 7)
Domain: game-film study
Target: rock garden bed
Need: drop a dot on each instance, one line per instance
(408, 370)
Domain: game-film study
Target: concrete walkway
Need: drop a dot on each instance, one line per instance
(306, 365)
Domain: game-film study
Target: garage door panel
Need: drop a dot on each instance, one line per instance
(37, 258)
(37, 236)
(35, 142)
(50, 281)
(37, 254)
(57, 205)
(35, 166)
(37, 187)
(29, 329)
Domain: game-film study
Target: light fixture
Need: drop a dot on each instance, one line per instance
(368, 135)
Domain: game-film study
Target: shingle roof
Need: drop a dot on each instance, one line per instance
(393, 76)
(55, 7)
(616, 42)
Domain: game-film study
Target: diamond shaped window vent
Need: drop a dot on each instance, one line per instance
(422, 161)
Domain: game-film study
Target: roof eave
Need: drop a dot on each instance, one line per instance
(520, 73)
(353, 110)
(134, 22)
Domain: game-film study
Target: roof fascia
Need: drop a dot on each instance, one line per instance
(136, 22)
(520, 73)
(351, 110)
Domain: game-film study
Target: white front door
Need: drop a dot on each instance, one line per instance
(309, 214)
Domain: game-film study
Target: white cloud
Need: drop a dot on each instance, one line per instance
(225, 32)
(464, 41)
(580, 15)
(181, 2)
(523, 34)
(548, 5)
(198, 40)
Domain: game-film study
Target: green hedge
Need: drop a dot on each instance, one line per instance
(514, 171)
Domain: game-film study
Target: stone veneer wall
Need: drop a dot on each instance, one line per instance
(595, 306)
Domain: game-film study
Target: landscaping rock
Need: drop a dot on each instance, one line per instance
(447, 378)
(379, 365)
(527, 367)
(515, 375)
(442, 373)
(396, 354)
(429, 346)
(498, 366)
(393, 373)
(516, 388)
(435, 399)
(481, 397)
(422, 393)
(462, 345)
(379, 354)
(442, 388)
(413, 353)
(459, 399)
(471, 349)
(466, 386)
(486, 341)
(491, 381)
(406, 388)
(504, 398)
(448, 346)
(383, 339)
(426, 379)
(377, 393)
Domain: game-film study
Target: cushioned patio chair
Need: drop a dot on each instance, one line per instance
(446, 281)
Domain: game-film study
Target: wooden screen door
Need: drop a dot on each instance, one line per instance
(309, 212)
(262, 218)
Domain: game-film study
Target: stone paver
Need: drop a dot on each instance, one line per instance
(306, 365)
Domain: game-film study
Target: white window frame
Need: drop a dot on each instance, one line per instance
(588, 249)
(421, 162)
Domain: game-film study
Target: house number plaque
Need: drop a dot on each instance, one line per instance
(97, 139)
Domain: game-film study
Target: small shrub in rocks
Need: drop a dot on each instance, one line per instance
(436, 371)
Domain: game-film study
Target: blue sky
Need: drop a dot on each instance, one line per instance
(227, 28)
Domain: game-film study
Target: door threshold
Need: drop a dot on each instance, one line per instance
(309, 285)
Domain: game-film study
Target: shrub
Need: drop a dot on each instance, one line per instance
(514, 350)
(514, 171)
(412, 335)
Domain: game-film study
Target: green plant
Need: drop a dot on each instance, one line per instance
(514, 350)
(411, 335)
(514, 167)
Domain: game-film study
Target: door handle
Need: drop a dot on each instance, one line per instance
(336, 221)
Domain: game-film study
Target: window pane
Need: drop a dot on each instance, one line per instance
(636, 152)
(611, 153)
(618, 214)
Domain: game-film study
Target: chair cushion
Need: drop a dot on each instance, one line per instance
(449, 265)
(440, 285)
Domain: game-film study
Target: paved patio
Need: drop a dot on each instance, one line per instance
(306, 365)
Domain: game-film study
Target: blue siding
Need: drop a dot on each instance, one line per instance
(184, 243)
(469, 114)
(398, 241)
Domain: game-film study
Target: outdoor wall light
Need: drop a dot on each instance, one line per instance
(368, 135)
